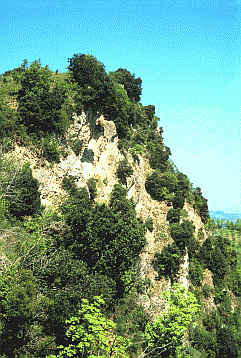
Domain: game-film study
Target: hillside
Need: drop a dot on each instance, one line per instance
(92, 206)
(224, 216)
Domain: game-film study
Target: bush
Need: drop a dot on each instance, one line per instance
(124, 170)
(173, 215)
(69, 183)
(207, 290)
(178, 200)
(91, 183)
(108, 238)
(205, 341)
(167, 263)
(77, 146)
(50, 150)
(43, 105)
(161, 185)
(201, 205)
(18, 308)
(26, 197)
(149, 224)
(182, 234)
(158, 155)
(131, 84)
(196, 272)
(95, 89)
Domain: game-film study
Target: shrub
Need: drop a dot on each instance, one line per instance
(77, 146)
(149, 224)
(173, 215)
(124, 170)
(108, 238)
(161, 185)
(95, 89)
(201, 205)
(207, 290)
(69, 184)
(196, 272)
(158, 155)
(178, 200)
(91, 183)
(182, 234)
(204, 340)
(43, 105)
(50, 150)
(131, 84)
(26, 197)
(167, 263)
(18, 308)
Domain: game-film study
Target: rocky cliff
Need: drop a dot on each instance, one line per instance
(98, 158)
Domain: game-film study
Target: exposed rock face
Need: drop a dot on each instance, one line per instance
(99, 158)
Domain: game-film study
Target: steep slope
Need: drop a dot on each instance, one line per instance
(98, 159)
(90, 243)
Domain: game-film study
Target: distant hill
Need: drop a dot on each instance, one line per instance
(225, 216)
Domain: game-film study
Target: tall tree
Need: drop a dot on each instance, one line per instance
(131, 84)
(108, 238)
(165, 336)
(41, 102)
(94, 85)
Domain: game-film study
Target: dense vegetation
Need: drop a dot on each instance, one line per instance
(70, 278)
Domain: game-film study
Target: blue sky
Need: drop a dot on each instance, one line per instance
(187, 53)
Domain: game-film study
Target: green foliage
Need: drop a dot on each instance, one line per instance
(137, 149)
(201, 205)
(43, 106)
(219, 267)
(174, 215)
(65, 281)
(69, 184)
(131, 318)
(150, 112)
(90, 334)
(119, 110)
(139, 118)
(182, 234)
(17, 297)
(149, 224)
(76, 146)
(234, 280)
(219, 257)
(124, 170)
(50, 149)
(91, 183)
(196, 272)
(158, 155)
(227, 347)
(131, 84)
(205, 253)
(206, 290)
(20, 190)
(161, 185)
(178, 200)
(219, 335)
(108, 238)
(24, 241)
(95, 88)
(165, 336)
(8, 117)
(167, 263)
(205, 341)
(185, 187)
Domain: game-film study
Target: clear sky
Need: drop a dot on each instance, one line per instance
(187, 53)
